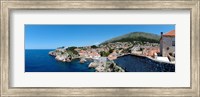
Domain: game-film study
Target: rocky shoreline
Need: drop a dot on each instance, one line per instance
(102, 64)
(109, 66)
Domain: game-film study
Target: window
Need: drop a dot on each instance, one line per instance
(173, 43)
(167, 48)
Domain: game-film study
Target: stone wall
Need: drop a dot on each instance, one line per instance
(166, 45)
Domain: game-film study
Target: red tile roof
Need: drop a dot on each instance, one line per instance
(170, 33)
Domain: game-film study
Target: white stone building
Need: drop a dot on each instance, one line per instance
(167, 43)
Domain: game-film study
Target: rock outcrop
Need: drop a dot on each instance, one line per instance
(52, 53)
(108, 66)
(92, 65)
(63, 58)
(82, 60)
(63, 55)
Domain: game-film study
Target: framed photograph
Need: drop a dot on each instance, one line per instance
(100, 48)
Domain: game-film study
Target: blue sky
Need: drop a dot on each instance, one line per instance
(53, 36)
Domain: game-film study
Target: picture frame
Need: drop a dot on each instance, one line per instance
(7, 6)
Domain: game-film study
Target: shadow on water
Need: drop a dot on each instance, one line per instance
(132, 63)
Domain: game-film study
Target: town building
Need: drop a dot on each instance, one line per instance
(167, 43)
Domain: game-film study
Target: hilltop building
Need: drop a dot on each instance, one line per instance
(167, 43)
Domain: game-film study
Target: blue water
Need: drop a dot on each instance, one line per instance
(41, 61)
(131, 63)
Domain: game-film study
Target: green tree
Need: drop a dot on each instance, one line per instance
(94, 46)
(111, 50)
(71, 48)
(104, 54)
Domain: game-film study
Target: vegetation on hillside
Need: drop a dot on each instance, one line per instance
(104, 54)
(135, 36)
(71, 50)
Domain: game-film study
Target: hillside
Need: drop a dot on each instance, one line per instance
(135, 36)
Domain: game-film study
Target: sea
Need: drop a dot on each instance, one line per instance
(38, 60)
(133, 63)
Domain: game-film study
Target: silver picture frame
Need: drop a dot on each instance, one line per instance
(8, 5)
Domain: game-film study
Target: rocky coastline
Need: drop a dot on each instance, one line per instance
(62, 57)
(109, 66)
(102, 64)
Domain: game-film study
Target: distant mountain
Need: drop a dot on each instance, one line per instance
(135, 36)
